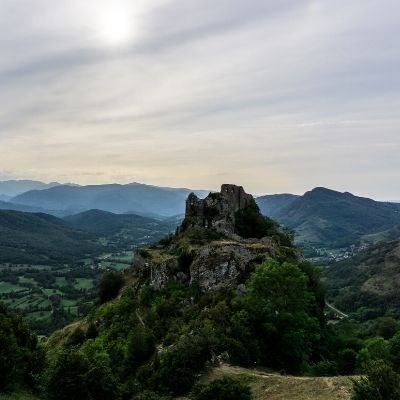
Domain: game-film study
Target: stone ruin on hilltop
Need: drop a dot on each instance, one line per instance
(212, 263)
(217, 211)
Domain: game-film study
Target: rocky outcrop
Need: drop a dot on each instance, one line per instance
(217, 210)
(206, 251)
(211, 266)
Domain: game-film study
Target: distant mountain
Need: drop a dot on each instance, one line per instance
(6, 205)
(369, 281)
(13, 188)
(324, 216)
(4, 197)
(42, 239)
(271, 204)
(129, 228)
(133, 198)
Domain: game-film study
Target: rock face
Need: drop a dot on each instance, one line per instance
(217, 210)
(211, 266)
(206, 251)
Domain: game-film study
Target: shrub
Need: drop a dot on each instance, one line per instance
(18, 351)
(250, 223)
(110, 285)
(380, 383)
(222, 389)
(180, 364)
(325, 368)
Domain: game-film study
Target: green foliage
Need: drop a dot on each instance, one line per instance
(394, 350)
(180, 364)
(329, 218)
(19, 356)
(250, 223)
(149, 395)
(140, 347)
(73, 375)
(385, 327)
(375, 349)
(364, 285)
(282, 308)
(36, 233)
(380, 383)
(346, 361)
(110, 285)
(222, 389)
(325, 368)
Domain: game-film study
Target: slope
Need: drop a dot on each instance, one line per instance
(13, 188)
(41, 238)
(324, 216)
(271, 204)
(129, 228)
(368, 281)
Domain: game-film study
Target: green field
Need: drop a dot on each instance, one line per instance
(6, 287)
(44, 292)
(84, 283)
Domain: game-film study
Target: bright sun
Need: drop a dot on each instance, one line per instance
(115, 24)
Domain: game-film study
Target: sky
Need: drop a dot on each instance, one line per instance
(277, 95)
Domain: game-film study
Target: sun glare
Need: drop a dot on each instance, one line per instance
(115, 25)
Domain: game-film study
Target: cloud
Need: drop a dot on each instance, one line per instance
(277, 95)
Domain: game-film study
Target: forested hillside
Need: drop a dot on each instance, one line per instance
(28, 238)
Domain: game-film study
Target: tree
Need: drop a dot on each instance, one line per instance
(110, 285)
(64, 378)
(19, 354)
(250, 223)
(375, 349)
(385, 327)
(381, 383)
(282, 307)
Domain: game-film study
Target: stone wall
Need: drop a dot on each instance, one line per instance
(217, 210)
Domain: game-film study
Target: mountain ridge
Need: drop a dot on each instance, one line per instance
(117, 198)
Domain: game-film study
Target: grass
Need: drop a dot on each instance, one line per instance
(68, 303)
(266, 386)
(61, 281)
(84, 283)
(6, 287)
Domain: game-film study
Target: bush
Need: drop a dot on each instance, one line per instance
(250, 223)
(110, 285)
(325, 368)
(222, 389)
(180, 364)
(380, 383)
(73, 375)
(19, 353)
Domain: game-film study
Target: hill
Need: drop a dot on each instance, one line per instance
(13, 188)
(327, 217)
(6, 205)
(271, 204)
(131, 198)
(367, 283)
(129, 228)
(41, 238)
(229, 286)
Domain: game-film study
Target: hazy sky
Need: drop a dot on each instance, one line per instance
(276, 95)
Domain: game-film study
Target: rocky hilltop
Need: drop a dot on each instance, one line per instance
(217, 211)
(211, 249)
